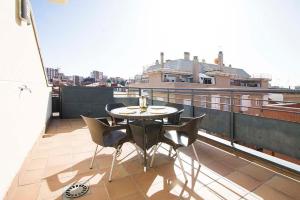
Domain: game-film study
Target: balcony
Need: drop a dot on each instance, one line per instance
(61, 156)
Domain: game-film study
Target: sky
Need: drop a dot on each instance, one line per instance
(120, 37)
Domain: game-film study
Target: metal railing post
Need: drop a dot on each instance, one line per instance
(152, 96)
(192, 104)
(168, 95)
(231, 119)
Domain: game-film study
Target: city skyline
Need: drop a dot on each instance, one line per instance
(121, 38)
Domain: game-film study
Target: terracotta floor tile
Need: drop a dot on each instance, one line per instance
(285, 185)
(168, 171)
(161, 159)
(91, 178)
(207, 193)
(240, 179)
(232, 193)
(59, 160)
(77, 157)
(159, 191)
(38, 163)
(184, 190)
(60, 150)
(197, 176)
(58, 172)
(30, 176)
(127, 154)
(28, 192)
(266, 192)
(133, 166)
(119, 172)
(209, 173)
(104, 161)
(219, 168)
(36, 154)
(257, 172)
(135, 196)
(86, 147)
(96, 193)
(145, 180)
(235, 162)
(121, 187)
(84, 166)
(53, 189)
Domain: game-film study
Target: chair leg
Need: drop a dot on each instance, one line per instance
(137, 150)
(195, 153)
(181, 165)
(154, 152)
(113, 163)
(91, 166)
(170, 151)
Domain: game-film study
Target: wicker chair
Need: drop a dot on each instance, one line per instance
(146, 135)
(112, 106)
(106, 136)
(174, 119)
(182, 135)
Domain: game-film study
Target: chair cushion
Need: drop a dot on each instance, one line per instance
(177, 137)
(113, 138)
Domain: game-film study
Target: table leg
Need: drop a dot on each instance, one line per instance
(145, 154)
(145, 147)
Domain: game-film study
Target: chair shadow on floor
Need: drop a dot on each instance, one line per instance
(169, 186)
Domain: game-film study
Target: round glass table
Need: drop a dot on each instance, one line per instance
(135, 113)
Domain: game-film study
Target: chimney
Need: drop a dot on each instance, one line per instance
(220, 60)
(196, 69)
(186, 55)
(162, 59)
(156, 62)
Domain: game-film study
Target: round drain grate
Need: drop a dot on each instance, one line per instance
(76, 190)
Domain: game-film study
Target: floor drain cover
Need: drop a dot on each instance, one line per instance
(76, 190)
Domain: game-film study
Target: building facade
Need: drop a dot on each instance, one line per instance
(97, 75)
(191, 73)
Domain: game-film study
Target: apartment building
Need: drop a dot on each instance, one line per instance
(97, 75)
(191, 73)
(52, 73)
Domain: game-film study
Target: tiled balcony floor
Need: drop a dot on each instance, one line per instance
(62, 157)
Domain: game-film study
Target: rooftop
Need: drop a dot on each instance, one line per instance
(187, 66)
(62, 155)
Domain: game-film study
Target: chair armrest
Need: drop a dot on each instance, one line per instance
(103, 120)
(185, 119)
(117, 127)
(173, 127)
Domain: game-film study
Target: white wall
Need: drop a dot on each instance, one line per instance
(23, 113)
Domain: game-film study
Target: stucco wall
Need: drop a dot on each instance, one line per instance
(23, 113)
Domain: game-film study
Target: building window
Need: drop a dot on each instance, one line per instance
(203, 101)
(226, 104)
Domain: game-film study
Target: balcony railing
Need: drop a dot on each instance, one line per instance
(239, 117)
